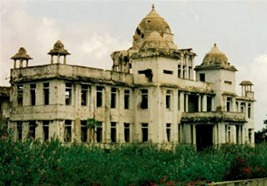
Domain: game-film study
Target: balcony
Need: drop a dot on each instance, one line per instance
(213, 117)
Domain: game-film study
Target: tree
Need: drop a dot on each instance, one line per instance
(92, 124)
(261, 136)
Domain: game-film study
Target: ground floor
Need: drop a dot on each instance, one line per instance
(200, 135)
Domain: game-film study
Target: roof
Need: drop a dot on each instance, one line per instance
(22, 54)
(153, 32)
(215, 56)
(215, 59)
(58, 49)
(246, 83)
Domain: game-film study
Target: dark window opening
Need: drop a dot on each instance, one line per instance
(179, 71)
(19, 129)
(84, 131)
(228, 104)
(243, 107)
(144, 99)
(32, 129)
(228, 82)
(168, 132)
(46, 130)
(168, 99)
(33, 94)
(113, 132)
(167, 72)
(209, 103)
(249, 110)
(127, 132)
(113, 97)
(148, 73)
(99, 134)
(67, 131)
(84, 95)
(189, 72)
(99, 96)
(20, 94)
(46, 93)
(202, 77)
(178, 100)
(192, 103)
(144, 132)
(250, 135)
(184, 71)
(126, 99)
(68, 93)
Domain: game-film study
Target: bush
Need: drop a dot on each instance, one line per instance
(35, 163)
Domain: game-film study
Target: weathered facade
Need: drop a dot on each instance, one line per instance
(151, 95)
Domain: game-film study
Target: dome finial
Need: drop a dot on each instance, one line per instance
(153, 6)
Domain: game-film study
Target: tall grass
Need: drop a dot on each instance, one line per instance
(35, 163)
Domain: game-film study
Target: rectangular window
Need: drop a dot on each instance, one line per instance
(202, 77)
(228, 104)
(113, 132)
(179, 71)
(178, 100)
(67, 131)
(99, 96)
(184, 71)
(20, 94)
(127, 132)
(99, 134)
(228, 82)
(243, 107)
(167, 72)
(113, 97)
(168, 99)
(33, 93)
(209, 103)
(144, 132)
(84, 95)
(19, 130)
(168, 132)
(189, 72)
(84, 131)
(46, 93)
(249, 110)
(32, 128)
(250, 135)
(193, 103)
(144, 99)
(68, 93)
(126, 99)
(45, 130)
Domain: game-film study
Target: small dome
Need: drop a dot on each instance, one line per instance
(244, 83)
(58, 49)
(154, 40)
(215, 56)
(152, 23)
(22, 54)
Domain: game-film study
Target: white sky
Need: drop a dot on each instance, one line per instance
(91, 30)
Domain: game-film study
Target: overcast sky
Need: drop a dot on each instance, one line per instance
(91, 30)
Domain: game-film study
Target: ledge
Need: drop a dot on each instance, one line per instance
(213, 117)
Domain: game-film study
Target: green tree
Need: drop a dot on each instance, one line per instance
(91, 125)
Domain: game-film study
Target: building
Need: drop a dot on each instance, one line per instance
(5, 104)
(153, 94)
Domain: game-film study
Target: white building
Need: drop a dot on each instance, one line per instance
(151, 95)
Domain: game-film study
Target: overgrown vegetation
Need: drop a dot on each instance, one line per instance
(35, 163)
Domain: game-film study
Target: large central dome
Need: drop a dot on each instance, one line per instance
(153, 31)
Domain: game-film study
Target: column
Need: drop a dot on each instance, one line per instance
(204, 103)
(182, 97)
